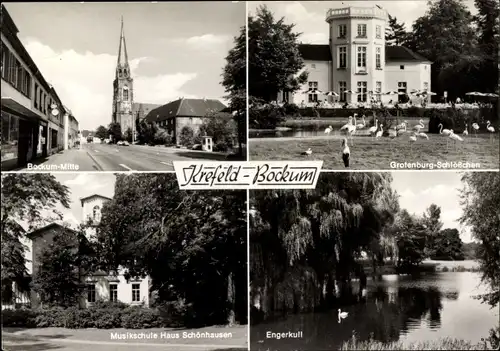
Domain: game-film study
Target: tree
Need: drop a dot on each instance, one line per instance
(448, 246)
(274, 60)
(128, 135)
(115, 130)
(432, 220)
(191, 244)
(101, 132)
(220, 127)
(186, 137)
(453, 49)
(487, 20)
(234, 82)
(61, 266)
(395, 33)
(480, 199)
(25, 198)
(146, 132)
(411, 239)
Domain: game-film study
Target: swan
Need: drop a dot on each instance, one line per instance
(307, 152)
(380, 132)
(346, 153)
(342, 315)
(373, 129)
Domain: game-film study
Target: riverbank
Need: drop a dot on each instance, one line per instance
(427, 266)
(443, 344)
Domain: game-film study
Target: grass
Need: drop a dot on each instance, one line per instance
(367, 153)
(442, 344)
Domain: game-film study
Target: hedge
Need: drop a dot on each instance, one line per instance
(101, 316)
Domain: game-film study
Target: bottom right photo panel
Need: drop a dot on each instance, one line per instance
(377, 261)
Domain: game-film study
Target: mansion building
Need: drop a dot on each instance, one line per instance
(100, 286)
(357, 64)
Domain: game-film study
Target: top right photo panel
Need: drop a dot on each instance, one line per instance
(366, 85)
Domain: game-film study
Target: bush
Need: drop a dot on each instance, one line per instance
(51, 317)
(173, 312)
(266, 116)
(139, 318)
(186, 137)
(161, 137)
(19, 318)
(221, 147)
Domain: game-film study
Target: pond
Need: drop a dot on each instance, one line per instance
(398, 308)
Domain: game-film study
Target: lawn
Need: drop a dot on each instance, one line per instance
(371, 154)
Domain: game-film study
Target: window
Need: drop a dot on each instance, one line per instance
(361, 30)
(402, 89)
(378, 89)
(10, 136)
(342, 59)
(342, 90)
(125, 94)
(378, 62)
(5, 52)
(313, 95)
(91, 295)
(342, 31)
(14, 69)
(378, 32)
(19, 75)
(362, 90)
(96, 213)
(136, 292)
(113, 292)
(36, 96)
(362, 57)
(402, 67)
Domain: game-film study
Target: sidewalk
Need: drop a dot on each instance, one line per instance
(67, 160)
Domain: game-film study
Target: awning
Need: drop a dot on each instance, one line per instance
(23, 111)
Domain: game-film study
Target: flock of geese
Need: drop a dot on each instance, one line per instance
(376, 132)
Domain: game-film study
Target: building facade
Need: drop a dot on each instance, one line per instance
(32, 124)
(99, 286)
(357, 64)
(123, 89)
(70, 129)
(176, 115)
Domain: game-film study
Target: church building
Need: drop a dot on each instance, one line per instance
(123, 89)
(357, 64)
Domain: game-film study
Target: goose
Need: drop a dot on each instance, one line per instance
(307, 152)
(342, 315)
(373, 129)
(380, 132)
(346, 153)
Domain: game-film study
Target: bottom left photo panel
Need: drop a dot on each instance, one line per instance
(102, 261)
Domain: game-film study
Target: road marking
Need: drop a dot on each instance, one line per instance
(96, 150)
(126, 167)
(167, 163)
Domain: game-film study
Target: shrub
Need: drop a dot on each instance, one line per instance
(173, 312)
(266, 116)
(291, 110)
(186, 137)
(50, 317)
(138, 318)
(221, 147)
(106, 318)
(161, 137)
(19, 318)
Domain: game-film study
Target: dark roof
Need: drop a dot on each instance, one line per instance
(41, 230)
(321, 52)
(315, 52)
(93, 195)
(186, 108)
(401, 53)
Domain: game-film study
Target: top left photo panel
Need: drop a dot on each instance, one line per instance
(122, 86)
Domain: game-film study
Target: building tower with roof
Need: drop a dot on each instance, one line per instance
(91, 212)
(357, 59)
(123, 88)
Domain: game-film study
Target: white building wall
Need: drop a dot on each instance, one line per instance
(318, 72)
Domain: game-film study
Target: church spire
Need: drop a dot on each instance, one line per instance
(122, 62)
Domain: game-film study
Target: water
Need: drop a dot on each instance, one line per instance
(396, 309)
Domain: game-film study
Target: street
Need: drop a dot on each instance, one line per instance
(104, 157)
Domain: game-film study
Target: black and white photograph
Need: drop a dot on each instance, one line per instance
(101, 261)
(122, 86)
(377, 261)
(375, 85)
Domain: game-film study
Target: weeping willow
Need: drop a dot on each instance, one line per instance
(305, 243)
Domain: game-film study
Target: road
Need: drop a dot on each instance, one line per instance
(114, 158)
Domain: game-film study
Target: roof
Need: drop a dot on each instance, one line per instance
(186, 108)
(41, 230)
(321, 52)
(315, 52)
(93, 195)
(401, 53)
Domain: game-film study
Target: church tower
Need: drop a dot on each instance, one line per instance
(123, 88)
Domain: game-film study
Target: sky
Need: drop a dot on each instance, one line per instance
(418, 190)
(310, 16)
(174, 49)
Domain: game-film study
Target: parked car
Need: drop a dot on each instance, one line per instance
(125, 143)
(119, 143)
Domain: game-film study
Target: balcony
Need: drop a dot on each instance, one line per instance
(356, 12)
